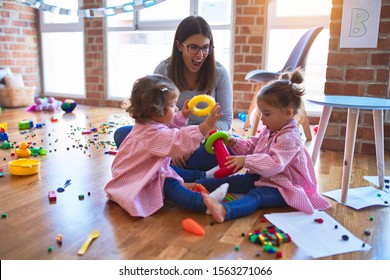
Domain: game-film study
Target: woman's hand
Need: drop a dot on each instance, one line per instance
(181, 160)
(185, 110)
(235, 161)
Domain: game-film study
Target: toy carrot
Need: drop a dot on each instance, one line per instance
(192, 226)
(201, 188)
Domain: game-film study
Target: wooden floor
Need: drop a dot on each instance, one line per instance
(33, 223)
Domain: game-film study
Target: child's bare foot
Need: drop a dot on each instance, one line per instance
(217, 211)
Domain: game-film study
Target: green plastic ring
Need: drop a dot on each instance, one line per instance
(210, 141)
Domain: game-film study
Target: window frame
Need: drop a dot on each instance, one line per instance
(65, 28)
(299, 22)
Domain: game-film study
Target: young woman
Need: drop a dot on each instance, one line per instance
(194, 70)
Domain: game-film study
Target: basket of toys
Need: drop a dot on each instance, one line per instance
(16, 97)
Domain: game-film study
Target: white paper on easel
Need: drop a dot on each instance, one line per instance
(360, 23)
(317, 240)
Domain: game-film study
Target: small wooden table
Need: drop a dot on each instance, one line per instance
(353, 104)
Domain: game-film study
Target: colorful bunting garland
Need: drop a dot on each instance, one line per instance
(132, 6)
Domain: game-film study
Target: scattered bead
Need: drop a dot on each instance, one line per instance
(81, 197)
(258, 254)
(371, 218)
(59, 239)
(345, 237)
(320, 221)
(4, 215)
(237, 248)
(50, 249)
(336, 226)
(367, 232)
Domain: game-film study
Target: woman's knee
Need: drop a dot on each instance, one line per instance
(121, 133)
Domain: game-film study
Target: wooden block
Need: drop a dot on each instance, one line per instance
(52, 196)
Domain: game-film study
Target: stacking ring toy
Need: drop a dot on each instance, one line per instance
(215, 144)
(213, 137)
(201, 98)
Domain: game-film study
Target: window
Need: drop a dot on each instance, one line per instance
(63, 74)
(137, 42)
(287, 21)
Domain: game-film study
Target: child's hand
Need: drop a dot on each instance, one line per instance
(185, 110)
(235, 161)
(180, 161)
(232, 141)
(209, 123)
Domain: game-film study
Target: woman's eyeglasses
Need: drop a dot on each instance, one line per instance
(194, 49)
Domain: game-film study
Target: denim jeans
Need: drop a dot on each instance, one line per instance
(189, 175)
(121, 133)
(183, 197)
(254, 197)
(199, 160)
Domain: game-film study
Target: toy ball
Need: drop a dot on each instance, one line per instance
(68, 105)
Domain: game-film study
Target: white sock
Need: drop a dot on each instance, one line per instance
(219, 194)
(210, 173)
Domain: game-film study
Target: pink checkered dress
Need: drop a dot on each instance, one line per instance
(143, 162)
(282, 162)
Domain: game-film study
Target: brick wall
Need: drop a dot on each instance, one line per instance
(95, 60)
(358, 72)
(249, 39)
(350, 71)
(19, 48)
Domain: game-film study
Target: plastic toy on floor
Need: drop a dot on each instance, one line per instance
(3, 132)
(68, 105)
(191, 226)
(6, 145)
(45, 104)
(24, 166)
(23, 150)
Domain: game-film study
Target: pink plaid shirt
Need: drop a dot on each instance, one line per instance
(283, 163)
(143, 162)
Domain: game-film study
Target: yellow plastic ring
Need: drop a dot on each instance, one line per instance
(201, 98)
